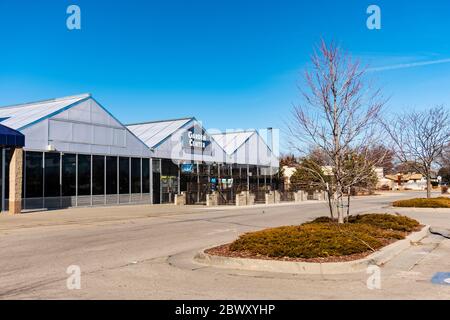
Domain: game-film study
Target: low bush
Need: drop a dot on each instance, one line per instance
(383, 221)
(387, 222)
(315, 240)
(441, 202)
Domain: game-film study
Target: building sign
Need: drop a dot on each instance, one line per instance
(196, 140)
(187, 168)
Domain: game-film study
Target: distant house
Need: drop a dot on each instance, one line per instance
(407, 181)
(288, 171)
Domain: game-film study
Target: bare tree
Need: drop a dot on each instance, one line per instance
(420, 138)
(338, 116)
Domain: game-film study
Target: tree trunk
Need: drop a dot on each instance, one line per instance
(428, 185)
(340, 204)
(330, 204)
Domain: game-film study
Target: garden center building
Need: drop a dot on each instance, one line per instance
(71, 151)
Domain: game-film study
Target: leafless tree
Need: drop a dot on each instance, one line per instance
(339, 116)
(420, 138)
(444, 159)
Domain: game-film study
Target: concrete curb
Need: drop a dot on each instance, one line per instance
(378, 258)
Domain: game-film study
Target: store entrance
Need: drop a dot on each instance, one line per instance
(169, 187)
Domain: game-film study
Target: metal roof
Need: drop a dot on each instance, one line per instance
(23, 115)
(231, 141)
(153, 133)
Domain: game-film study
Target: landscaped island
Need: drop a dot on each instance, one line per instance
(441, 202)
(322, 240)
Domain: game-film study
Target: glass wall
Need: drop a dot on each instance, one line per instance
(111, 175)
(54, 179)
(84, 175)
(156, 166)
(69, 175)
(98, 175)
(34, 175)
(135, 175)
(169, 180)
(124, 175)
(145, 176)
(52, 175)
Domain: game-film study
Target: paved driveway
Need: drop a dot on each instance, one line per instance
(145, 252)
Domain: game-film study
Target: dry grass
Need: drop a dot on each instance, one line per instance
(441, 202)
(324, 238)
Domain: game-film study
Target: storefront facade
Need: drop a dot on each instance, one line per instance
(77, 154)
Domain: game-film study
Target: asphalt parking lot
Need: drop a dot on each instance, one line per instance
(145, 252)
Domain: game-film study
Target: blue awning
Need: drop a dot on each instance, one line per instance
(10, 137)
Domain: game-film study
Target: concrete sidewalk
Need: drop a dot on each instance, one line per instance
(116, 214)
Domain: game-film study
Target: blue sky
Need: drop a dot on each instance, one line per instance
(230, 63)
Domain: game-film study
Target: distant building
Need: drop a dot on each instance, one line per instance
(72, 152)
(287, 174)
(407, 181)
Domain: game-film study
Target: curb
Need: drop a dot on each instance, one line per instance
(378, 258)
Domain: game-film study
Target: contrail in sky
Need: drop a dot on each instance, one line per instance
(408, 65)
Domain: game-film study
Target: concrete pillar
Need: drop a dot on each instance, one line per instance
(15, 181)
(180, 199)
(319, 196)
(300, 196)
(270, 197)
(212, 199)
(245, 198)
(277, 196)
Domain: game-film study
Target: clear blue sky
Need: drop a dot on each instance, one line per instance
(230, 63)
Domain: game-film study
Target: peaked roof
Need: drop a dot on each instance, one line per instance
(23, 115)
(155, 132)
(231, 141)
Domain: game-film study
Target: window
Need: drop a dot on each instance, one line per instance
(124, 175)
(84, 175)
(135, 175)
(8, 156)
(34, 174)
(169, 168)
(69, 178)
(111, 175)
(98, 175)
(52, 179)
(145, 175)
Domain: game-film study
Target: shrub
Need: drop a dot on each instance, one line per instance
(315, 240)
(441, 202)
(387, 222)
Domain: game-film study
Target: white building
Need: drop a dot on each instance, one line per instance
(76, 153)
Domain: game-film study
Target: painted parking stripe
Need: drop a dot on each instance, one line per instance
(441, 278)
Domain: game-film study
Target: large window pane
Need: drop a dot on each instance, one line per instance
(84, 175)
(124, 175)
(111, 175)
(69, 177)
(98, 175)
(34, 174)
(8, 156)
(169, 168)
(52, 182)
(156, 167)
(145, 175)
(135, 175)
